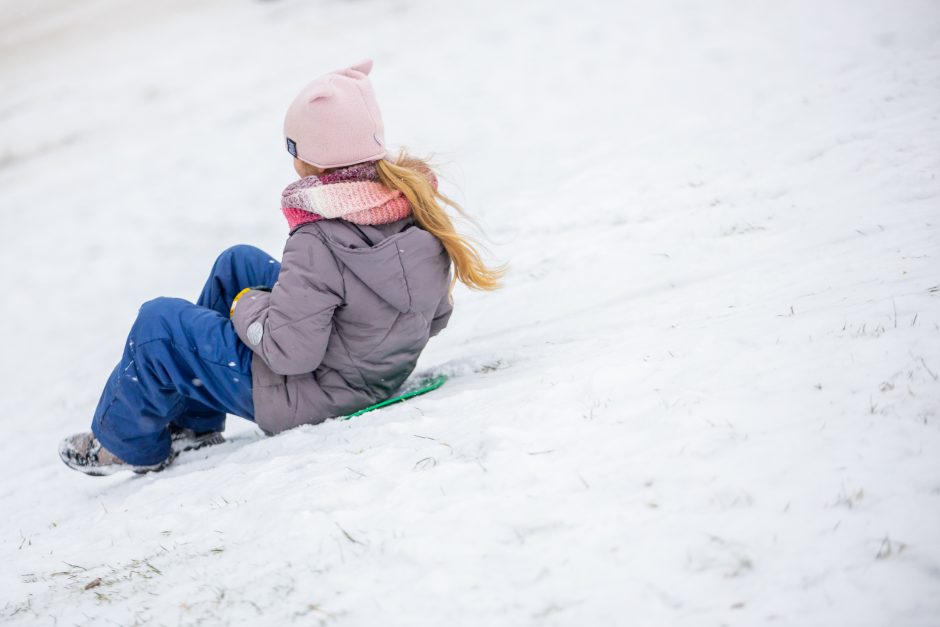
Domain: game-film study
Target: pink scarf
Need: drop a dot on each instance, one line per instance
(353, 193)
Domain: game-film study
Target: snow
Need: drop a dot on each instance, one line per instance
(709, 393)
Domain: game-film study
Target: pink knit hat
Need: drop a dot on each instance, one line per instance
(335, 120)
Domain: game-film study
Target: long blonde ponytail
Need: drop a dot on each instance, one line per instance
(409, 175)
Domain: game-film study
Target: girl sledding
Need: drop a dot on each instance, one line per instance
(336, 325)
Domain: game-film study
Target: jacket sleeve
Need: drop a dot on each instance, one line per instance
(289, 328)
(442, 315)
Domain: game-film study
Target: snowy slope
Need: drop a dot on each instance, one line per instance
(709, 394)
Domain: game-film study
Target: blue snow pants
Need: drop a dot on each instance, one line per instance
(183, 364)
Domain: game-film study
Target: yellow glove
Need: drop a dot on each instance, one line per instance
(231, 311)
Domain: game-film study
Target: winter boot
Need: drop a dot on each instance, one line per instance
(188, 440)
(84, 453)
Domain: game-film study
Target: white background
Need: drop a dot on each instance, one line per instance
(708, 394)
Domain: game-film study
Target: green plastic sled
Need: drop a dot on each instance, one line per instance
(422, 387)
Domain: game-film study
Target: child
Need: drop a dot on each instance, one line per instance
(336, 326)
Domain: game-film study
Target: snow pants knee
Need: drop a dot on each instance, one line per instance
(183, 364)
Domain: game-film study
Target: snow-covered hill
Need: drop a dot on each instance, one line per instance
(708, 395)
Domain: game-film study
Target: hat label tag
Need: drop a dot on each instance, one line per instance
(291, 146)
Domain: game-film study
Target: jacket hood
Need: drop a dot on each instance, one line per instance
(405, 269)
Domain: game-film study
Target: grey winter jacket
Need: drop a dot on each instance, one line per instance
(342, 328)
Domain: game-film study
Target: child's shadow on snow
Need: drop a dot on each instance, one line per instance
(209, 457)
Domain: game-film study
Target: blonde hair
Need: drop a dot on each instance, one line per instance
(412, 177)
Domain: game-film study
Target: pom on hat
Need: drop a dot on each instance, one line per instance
(335, 120)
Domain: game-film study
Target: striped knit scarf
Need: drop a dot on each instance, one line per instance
(353, 193)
